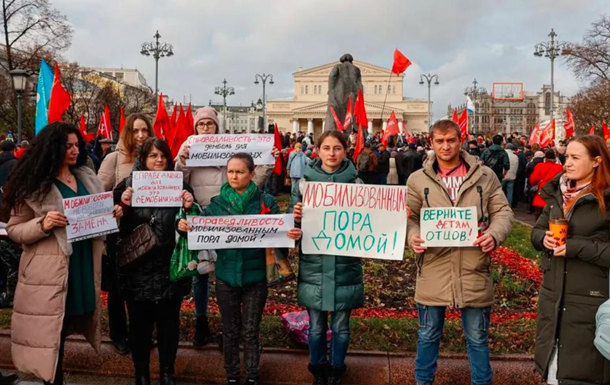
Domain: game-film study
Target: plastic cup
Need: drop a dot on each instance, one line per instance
(559, 228)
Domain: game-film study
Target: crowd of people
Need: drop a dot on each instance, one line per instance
(58, 292)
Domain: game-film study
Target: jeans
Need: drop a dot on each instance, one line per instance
(318, 326)
(241, 311)
(507, 187)
(294, 182)
(383, 178)
(476, 326)
(201, 291)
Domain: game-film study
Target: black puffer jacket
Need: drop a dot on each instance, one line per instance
(148, 279)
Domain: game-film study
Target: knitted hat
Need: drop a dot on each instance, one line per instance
(206, 113)
(539, 154)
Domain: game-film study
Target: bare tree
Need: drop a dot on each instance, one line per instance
(590, 60)
(138, 99)
(590, 106)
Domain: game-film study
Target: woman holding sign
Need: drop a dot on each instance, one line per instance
(58, 292)
(329, 284)
(574, 233)
(152, 299)
(241, 279)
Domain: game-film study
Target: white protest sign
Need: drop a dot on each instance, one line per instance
(449, 226)
(89, 216)
(157, 189)
(240, 232)
(215, 150)
(354, 220)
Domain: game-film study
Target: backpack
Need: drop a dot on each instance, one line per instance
(494, 161)
(363, 161)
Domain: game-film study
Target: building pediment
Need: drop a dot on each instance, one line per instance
(324, 70)
(316, 107)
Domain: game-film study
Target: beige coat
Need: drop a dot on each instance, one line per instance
(40, 297)
(457, 277)
(115, 167)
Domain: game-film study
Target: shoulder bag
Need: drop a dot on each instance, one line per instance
(137, 244)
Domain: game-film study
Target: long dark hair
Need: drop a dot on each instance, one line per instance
(127, 141)
(34, 175)
(160, 145)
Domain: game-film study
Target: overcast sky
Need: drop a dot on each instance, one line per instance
(459, 40)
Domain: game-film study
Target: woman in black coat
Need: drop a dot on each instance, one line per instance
(152, 299)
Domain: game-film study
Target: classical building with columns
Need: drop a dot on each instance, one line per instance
(306, 110)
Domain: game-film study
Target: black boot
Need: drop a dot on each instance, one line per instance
(251, 381)
(167, 379)
(8, 379)
(202, 331)
(232, 381)
(319, 374)
(334, 375)
(142, 380)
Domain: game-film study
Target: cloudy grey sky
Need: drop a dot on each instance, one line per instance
(459, 40)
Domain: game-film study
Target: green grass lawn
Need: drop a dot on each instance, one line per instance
(520, 241)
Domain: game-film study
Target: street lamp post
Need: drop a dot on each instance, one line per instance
(429, 79)
(474, 91)
(551, 49)
(224, 91)
(20, 78)
(157, 50)
(263, 78)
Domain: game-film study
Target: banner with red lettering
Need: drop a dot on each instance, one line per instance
(216, 150)
(157, 189)
(354, 220)
(449, 226)
(89, 216)
(240, 232)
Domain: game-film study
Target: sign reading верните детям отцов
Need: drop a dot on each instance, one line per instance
(354, 220)
(216, 150)
(449, 226)
(157, 189)
(240, 232)
(89, 216)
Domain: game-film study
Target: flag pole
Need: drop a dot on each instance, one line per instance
(386, 97)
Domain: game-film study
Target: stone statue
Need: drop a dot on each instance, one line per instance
(344, 80)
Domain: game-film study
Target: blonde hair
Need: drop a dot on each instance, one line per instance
(298, 146)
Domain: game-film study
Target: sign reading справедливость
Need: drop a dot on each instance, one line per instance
(354, 220)
(89, 216)
(240, 232)
(157, 189)
(449, 226)
(215, 150)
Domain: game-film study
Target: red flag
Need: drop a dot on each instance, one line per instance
(391, 129)
(463, 123)
(347, 123)
(605, 132)
(336, 118)
(454, 117)
(189, 119)
(278, 145)
(104, 128)
(182, 132)
(359, 144)
(404, 129)
(535, 136)
(569, 125)
(360, 110)
(82, 127)
(60, 99)
(121, 121)
(401, 62)
(162, 123)
(174, 118)
(592, 130)
(547, 135)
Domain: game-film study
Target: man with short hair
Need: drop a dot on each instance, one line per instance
(455, 277)
(496, 158)
(508, 182)
(106, 145)
(367, 164)
(411, 160)
(383, 165)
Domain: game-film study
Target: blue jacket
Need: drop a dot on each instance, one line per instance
(296, 164)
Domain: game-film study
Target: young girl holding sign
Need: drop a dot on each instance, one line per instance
(241, 279)
(328, 284)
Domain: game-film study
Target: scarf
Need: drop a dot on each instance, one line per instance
(569, 193)
(237, 201)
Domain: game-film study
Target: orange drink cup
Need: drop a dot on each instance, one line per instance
(559, 228)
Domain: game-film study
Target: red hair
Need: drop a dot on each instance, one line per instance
(600, 182)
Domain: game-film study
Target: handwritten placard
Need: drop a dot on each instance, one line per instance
(354, 220)
(449, 226)
(215, 150)
(89, 216)
(240, 232)
(157, 189)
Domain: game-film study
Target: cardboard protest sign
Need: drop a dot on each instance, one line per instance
(354, 220)
(89, 216)
(157, 189)
(216, 150)
(449, 226)
(239, 232)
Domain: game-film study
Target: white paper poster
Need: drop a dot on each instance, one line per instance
(157, 189)
(216, 150)
(354, 220)
(449, 226)
(240, 232)
(89, 216)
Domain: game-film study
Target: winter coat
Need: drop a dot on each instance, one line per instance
(7, 162)
(115, 167)
(392, 175)
(531, 165)
(543, 172)
(398, 163)
(411, 162)
(383, 163)
(296, 164)
(40, 297)
(241, 267)
(326, 282)
(207, 181)
(148, 279)
(572, 289)
(492, 152)
(513, 160)
(457, 277)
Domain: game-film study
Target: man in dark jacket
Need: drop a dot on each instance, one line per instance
(519, 191)
(473, 148)
(383, 165)
(7, 162)
(496, 158)
(411, 160)
(399, 167)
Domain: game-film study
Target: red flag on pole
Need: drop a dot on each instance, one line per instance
(401, 62)
(463, 123)
(174, 118)
(454, 117)
(547, 135)
(121, 121)
(60, 99)
(391, 130)
(592, 130)
(360, 111)
(535, 136)
(181, 132)
(162, 123)
(104, 128)
(347, 123)
(605, 132)
(338, 123)
(359, 144)
(173, 126)
(569, 125)
(82, 127)
(189, 119)
(277, 170)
